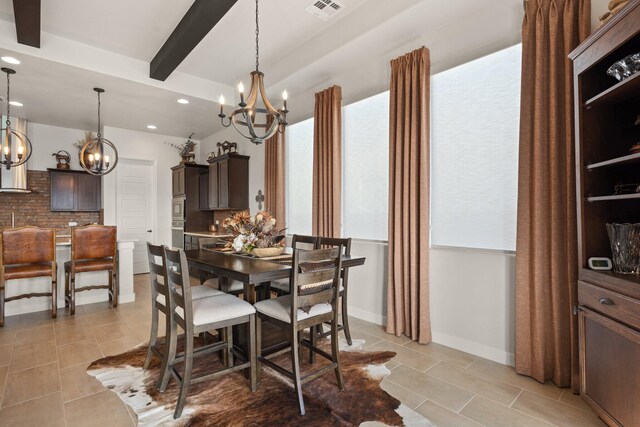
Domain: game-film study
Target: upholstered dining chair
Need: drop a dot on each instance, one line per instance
(315, 278)
(28, 252)
(298, 241)
(93, 248)
(195, 316)
(160, 304)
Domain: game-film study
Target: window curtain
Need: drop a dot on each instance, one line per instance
(274, 168)
(327, 163)
(546, 247)
(20, 174)
(408, 276)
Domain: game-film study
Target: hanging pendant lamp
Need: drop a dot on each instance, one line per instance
(94, 154)
(16, 146)
(254, 122)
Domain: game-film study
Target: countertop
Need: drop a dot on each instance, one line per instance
(206, 234)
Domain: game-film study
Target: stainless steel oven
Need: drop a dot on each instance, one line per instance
(178, 209)
(177, 234)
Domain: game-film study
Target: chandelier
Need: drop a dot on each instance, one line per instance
(11, 156)
(254, 122)
(93, 157)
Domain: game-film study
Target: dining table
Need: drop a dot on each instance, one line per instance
(254, 273)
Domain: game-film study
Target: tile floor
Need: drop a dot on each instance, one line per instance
(43, 378)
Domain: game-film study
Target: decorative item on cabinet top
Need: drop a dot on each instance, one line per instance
(614, 7)
(223, 148)
(63, 159)
(186, 150)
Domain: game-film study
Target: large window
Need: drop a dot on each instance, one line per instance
(474, 152)
(366, 168)
(299, 177)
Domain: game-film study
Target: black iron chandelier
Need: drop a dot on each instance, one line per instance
(16, 146)
(254, 122)
(94, 157)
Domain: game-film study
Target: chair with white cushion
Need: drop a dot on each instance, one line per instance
(196, 316)
(159, 304)
(315, 278)
(299, 241)
(234, 287)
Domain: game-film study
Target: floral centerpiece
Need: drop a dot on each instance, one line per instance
(254, 234)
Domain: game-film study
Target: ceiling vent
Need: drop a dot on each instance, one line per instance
(325, 9)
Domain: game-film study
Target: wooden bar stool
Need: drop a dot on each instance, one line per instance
(198, 316)
(28, 252)
(93, 248)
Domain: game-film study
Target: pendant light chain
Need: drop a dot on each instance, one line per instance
(257, 39)
(8, 101)
(99, 126)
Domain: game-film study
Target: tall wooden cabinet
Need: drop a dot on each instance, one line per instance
(609, 303)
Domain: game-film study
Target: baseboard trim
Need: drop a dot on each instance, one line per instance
(44, 304)
(368, 316)
(123, 299)
(474, 348)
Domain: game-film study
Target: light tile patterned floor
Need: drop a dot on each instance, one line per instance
(43, 379)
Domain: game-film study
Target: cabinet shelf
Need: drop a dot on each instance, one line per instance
(613, 197)
(626, 89)
(624, 160)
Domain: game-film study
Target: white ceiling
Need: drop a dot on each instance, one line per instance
(86, 43)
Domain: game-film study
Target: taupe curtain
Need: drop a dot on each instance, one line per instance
(274, 187)
(327, 163)
(408, 280)
(546, 258)
(20, 174)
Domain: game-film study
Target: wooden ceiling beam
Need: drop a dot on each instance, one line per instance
(201, 17)
(27, 16)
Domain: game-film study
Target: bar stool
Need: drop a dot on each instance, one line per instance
(160, 304)
(201, 315)
(28, 252)
(93, 248)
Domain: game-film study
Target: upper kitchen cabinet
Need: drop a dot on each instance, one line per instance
(75, 191)
(229, 182)
(178, 180)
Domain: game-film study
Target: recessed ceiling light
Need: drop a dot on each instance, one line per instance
(151, 127)
(183, 101)
(16, 103)
(10, 60)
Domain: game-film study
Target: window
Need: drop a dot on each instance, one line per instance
(299, 177)
(474, 152)
(365, 179)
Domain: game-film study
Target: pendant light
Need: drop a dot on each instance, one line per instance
(254, 122)
(93, 157)
(16, 146)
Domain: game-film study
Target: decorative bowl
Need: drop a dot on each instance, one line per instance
(267, 252)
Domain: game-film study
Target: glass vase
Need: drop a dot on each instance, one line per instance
(625, 247)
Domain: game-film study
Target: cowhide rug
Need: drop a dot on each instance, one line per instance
(228, 401)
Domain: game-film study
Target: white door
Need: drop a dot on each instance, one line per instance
(134, 184)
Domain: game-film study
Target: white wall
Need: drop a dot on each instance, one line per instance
(47, 140)
(245, 147)
(145, 146)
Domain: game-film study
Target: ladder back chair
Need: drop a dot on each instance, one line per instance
(93, 248)
(160, 304)
(196, 316)
(298, 241)
(234, 287)
(28, 252)
(344, 285)
(315, 277)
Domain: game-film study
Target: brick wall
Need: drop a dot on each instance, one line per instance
(35, 208)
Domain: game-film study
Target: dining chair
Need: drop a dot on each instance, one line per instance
(233, 287)
(160, 304)
(298, 241)
(28, 252)
(315, 278)
(195, 316)
(344, 286)
(93, 248)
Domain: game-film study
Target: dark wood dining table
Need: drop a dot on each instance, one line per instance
(251, 272)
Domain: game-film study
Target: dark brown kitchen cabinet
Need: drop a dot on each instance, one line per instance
(229, 182)
(203, 190)
(178, 181)
(75, 191)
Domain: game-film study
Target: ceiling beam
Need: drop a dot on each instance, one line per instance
(201, 17)
(27, 16)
